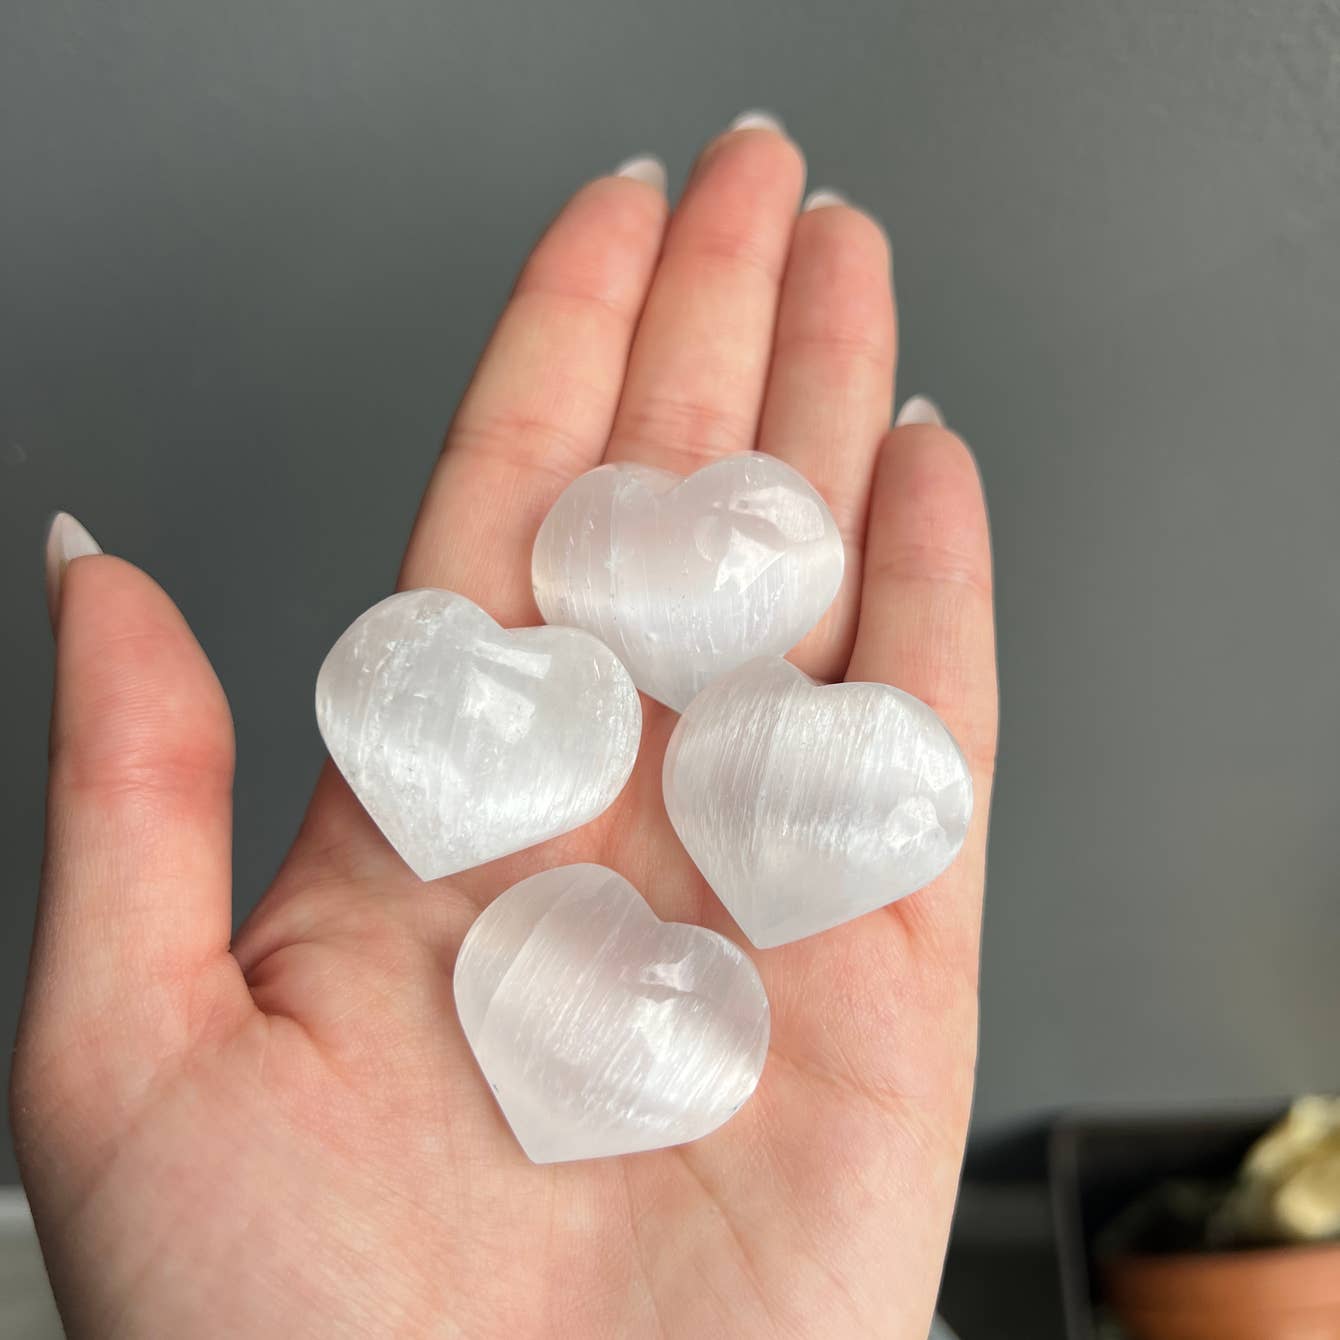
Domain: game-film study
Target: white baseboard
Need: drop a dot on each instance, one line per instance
(26, 1309)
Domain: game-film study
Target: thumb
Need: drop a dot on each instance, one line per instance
(134, 916)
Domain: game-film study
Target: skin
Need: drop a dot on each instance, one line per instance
(284, 1133)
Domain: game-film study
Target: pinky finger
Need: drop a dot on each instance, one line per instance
(927, 627)
(926, 622)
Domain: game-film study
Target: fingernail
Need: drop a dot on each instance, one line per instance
(757, 120)
(919, 409)
(66, 541)
(822, 199)
(644, 168)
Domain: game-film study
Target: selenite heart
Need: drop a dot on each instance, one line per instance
(466, 741)
(805, 805)
(687, 578)
(601, 1029)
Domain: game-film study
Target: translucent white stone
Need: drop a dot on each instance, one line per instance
(601, 1029)
(685, 578)
(465, 741)
(805, 805)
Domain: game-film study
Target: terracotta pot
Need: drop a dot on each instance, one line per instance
(1285, 1293)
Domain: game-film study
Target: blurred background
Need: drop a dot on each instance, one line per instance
(249, 253)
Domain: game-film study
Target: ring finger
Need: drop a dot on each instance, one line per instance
(830, 391)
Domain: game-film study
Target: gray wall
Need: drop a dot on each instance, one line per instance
(248, 253)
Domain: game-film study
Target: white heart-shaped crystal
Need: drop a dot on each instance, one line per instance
(687, 578)
(805, 805)
(466, 741)
(600, 1028)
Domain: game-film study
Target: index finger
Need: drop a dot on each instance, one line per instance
(540, 405)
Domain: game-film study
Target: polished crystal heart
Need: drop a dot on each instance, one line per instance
(687, 578)
(601, 1029)
(805, 805)
(466, 741)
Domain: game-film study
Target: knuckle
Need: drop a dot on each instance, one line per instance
(550, 298)
(845, 344)
(599, 263)
(136, 733)
(681, 427)
(731, 248)
(540, 442)
(936, 561)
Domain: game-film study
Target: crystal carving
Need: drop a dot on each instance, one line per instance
(466, 741)
(685, 578)
(806, 805)
(601, 1029)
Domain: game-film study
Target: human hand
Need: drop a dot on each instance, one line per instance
(287, 1134)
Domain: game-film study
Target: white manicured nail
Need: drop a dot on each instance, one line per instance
(757, 120)
(644, 168)
(919, 409)
(822, 199)
(66, 541)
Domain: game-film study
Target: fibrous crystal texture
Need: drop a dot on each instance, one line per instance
(685, 578)
(465, 741)
(805, 805)
(601, 1029)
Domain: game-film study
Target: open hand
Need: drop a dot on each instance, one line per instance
(285, 1133)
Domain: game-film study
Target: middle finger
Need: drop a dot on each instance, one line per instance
(700, 358)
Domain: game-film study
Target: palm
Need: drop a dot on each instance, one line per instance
(320, 1144)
